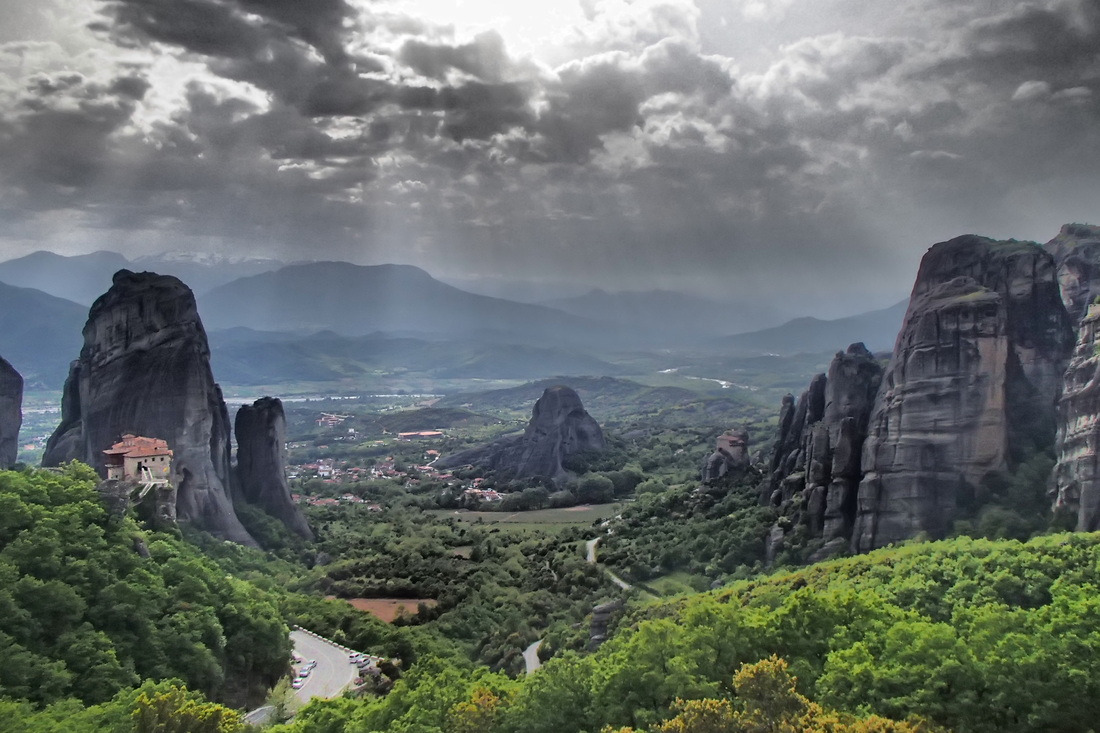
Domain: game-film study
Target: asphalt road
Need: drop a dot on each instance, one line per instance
(333, 673)
(531, 657)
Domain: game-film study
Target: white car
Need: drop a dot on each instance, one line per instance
(310, 664)
(297, 683)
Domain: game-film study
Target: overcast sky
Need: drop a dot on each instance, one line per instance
(801, 149)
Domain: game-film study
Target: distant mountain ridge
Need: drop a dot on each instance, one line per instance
(876, 329)
(83, 278)
(678, 315)
(356, 300)
(39, 334)
(244, 357)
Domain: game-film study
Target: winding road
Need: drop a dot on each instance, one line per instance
(590, 546)
(334, 672)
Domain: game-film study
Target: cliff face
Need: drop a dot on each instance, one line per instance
(970, 390)
(145, 369)
(1077, 473)
(559, 427)
(11, 413)
(1076, 252)
(816, 461)
(260, 429)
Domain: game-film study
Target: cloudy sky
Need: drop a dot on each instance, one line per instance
(809, 150)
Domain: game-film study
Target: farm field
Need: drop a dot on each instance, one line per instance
(537, 520)
(388, 609)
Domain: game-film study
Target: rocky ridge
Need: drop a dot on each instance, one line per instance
(145, 369)
(815, 469)
(11, 413)
(260, 430)
(866, 457)
(559, 427)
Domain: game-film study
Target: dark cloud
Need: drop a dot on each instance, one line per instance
(848, 148)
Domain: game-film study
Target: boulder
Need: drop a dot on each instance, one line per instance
(11, 413)
(601, 621)
(260, 429)
(559, 427)
(970, 390)
(145, 369)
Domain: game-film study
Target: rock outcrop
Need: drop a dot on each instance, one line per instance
(1076, 252)
(11, 413)
(970, 389)
(260, 429)
(816, 469)
(730, 456)
(601, 622)
(1076, 476)
(559, 427)
(145, 369)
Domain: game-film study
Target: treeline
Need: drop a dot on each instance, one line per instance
(91, 604)
(712, 531)
(976, 636)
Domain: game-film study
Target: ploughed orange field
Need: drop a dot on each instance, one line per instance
(387, 609)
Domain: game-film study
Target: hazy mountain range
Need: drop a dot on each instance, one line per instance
(83, 278)
(39, 334)
(327, 321)
(876, 329)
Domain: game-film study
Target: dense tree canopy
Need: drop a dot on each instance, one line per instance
(970, 635)
(84, 614)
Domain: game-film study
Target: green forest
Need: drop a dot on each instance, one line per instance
(108, 625)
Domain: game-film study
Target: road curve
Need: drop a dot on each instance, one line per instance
(590, 547)
(531, 657)
(334, 672)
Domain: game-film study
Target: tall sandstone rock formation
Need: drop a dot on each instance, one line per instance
(11, 413)
(145, 369)
(559, 427)
(260, 429)
(970, 390)
(1076, 252)
(816, 461)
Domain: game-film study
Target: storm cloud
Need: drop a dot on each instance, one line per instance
(803, 147)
